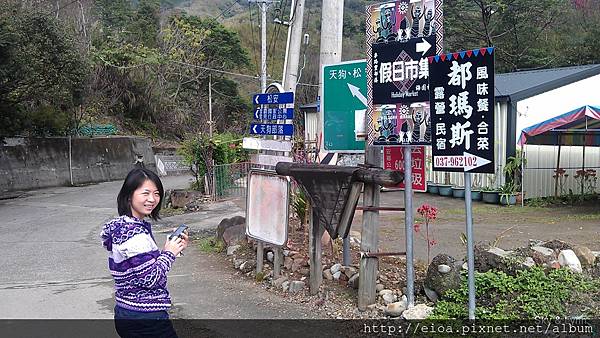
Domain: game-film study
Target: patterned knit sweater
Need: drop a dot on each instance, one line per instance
(137, 266)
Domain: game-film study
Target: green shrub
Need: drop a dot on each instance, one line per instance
(530, 294)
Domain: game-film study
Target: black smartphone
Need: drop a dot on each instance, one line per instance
(178, 232)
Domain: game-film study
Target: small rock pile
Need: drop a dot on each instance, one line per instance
(553, 254)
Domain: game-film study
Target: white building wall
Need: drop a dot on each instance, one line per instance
(541, 165)
(541, 107)
(310, 126)
(538, 180)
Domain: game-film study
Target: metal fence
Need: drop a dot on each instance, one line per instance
(540, 171)
(230, 180)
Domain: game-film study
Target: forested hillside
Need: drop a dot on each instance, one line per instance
(144, 65)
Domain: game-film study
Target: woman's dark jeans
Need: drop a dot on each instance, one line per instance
(143, 324)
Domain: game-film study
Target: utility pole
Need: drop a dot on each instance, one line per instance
(263, 48)
(210, 120)
(332, 28)
(332, 23)
(263, 37)
(263, 88)
(292, 51)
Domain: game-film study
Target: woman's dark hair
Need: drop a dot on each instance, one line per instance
(134, 180)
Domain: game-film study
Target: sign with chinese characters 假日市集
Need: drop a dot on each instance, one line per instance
(401, 35)
(461, 87)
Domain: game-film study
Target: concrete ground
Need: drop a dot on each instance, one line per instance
(54, 266)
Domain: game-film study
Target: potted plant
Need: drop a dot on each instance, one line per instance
(513, 170)
(508, 195)
(446, 188)
(432, 188)
(490, 195)
(458, 192)
(476, 194)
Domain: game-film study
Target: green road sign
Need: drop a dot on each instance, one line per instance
(344, 104)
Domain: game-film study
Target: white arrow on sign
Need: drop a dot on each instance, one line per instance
(356, 93)
(254, 129)
(256, 114)
(423, 47)
(255, 99)
(479, 161)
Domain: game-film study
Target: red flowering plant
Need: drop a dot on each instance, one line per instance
(429, 214)
(587, 178)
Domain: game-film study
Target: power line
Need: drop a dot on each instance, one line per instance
(253, 39)
(228, 9)
(235, 74)
(275, 35)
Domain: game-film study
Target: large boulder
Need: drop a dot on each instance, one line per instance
(443, 274)
(232, 230)
(417, 312)
(557, 244)
(180, 198)
(585, 255)
(568, 259)
(493, 258)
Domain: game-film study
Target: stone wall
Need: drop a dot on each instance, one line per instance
(32, 163)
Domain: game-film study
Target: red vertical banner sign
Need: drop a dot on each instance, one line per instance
(393, 158)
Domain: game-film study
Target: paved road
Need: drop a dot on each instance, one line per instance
(54, 266)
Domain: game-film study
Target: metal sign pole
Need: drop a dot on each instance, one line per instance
(346, 247)
(470, 255)
(408, 221)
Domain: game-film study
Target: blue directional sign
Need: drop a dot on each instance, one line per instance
(272, 129)
(273, 113)
(274, 98)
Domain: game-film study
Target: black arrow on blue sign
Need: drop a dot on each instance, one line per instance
(274, 98)
(273, 113)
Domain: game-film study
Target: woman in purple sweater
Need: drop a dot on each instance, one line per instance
(137, 265)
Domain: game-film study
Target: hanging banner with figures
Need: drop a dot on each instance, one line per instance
(401, 35)
(402, 124)
(462, 111)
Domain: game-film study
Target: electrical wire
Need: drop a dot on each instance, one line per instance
(236, 74)
(227, 10)
(253, 39)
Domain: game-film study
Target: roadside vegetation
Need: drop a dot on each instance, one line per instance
(532, 294)
(142, 67)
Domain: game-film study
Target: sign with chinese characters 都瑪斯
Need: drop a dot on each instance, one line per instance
(461, 87)
(401, 35)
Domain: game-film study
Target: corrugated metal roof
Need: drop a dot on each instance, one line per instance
(524, 84)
